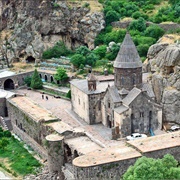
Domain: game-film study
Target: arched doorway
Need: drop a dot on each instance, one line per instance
(8, 84)
(109, 121)
(40, 76)
(52, 79)
(45, 78)
(30, 59)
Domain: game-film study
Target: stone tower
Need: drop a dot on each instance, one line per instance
(128, 66)
(91, 82)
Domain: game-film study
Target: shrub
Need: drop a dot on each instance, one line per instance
(61, 75)
(7, 134)
(59, 49)
(142, 49)
(68, 95)
(154, 31)
(83, 50)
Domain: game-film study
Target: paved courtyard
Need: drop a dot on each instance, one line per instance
(62, 109)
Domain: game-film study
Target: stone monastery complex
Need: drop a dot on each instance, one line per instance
(114, 106)
(125, 104)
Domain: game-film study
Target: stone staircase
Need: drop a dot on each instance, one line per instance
(68, 171)
(5, 123)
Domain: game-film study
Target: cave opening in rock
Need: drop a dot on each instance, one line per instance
(169, 70)
(30, 59)
(8, 84)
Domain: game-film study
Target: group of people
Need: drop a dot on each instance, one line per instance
(44, 97)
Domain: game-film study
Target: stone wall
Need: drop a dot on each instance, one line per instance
(17, 79)
(95, 115)
(47, 76)
(80, 103)
(57, 91)
(105, 171)
(2, 107)
(31, 142)
(175, 151)
(144, 114)
(29, 130)
(128, 78)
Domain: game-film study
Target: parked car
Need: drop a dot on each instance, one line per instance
(174, 128)
(136, 136)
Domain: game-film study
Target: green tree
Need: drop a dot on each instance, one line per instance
(111, 16)
(100, 51)
(139, 25)
(61, 75)
(149, 168)
(27, 80)
(36, 82)
(77, 60)
(91, 59)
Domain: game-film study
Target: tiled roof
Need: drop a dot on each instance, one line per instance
(113, 91)
(148, 88)
(83, 86)
(123, 91)
(121, 109)
(131, 96)
(128, 56)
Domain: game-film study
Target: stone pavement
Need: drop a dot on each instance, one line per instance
(62, 109)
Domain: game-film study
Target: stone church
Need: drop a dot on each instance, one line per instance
(124, 103)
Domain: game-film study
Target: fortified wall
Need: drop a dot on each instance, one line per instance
(29, 122)
(60, 144)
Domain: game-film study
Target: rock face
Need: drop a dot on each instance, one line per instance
(39, 24)
(163, 60)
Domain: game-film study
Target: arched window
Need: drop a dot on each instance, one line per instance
(134, 79)
(45, 77)
(122, 80)
(52, 79)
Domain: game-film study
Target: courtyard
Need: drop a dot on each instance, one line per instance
(62, 109)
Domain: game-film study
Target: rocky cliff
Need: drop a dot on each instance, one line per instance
(38, 24)
(163, 61)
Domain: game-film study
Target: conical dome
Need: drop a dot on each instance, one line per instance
(128, 56)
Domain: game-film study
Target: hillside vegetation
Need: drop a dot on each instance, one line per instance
(138, 13)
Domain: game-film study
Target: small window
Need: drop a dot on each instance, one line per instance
(109, 104)
(79, 101)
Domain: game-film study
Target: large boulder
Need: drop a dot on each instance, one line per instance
(163, 61)
(171, 105)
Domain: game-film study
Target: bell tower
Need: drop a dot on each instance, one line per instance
(92, 82)
(128, 66)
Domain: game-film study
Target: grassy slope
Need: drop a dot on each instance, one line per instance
(18, 161)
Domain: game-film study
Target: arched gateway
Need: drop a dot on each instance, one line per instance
(8, 84)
